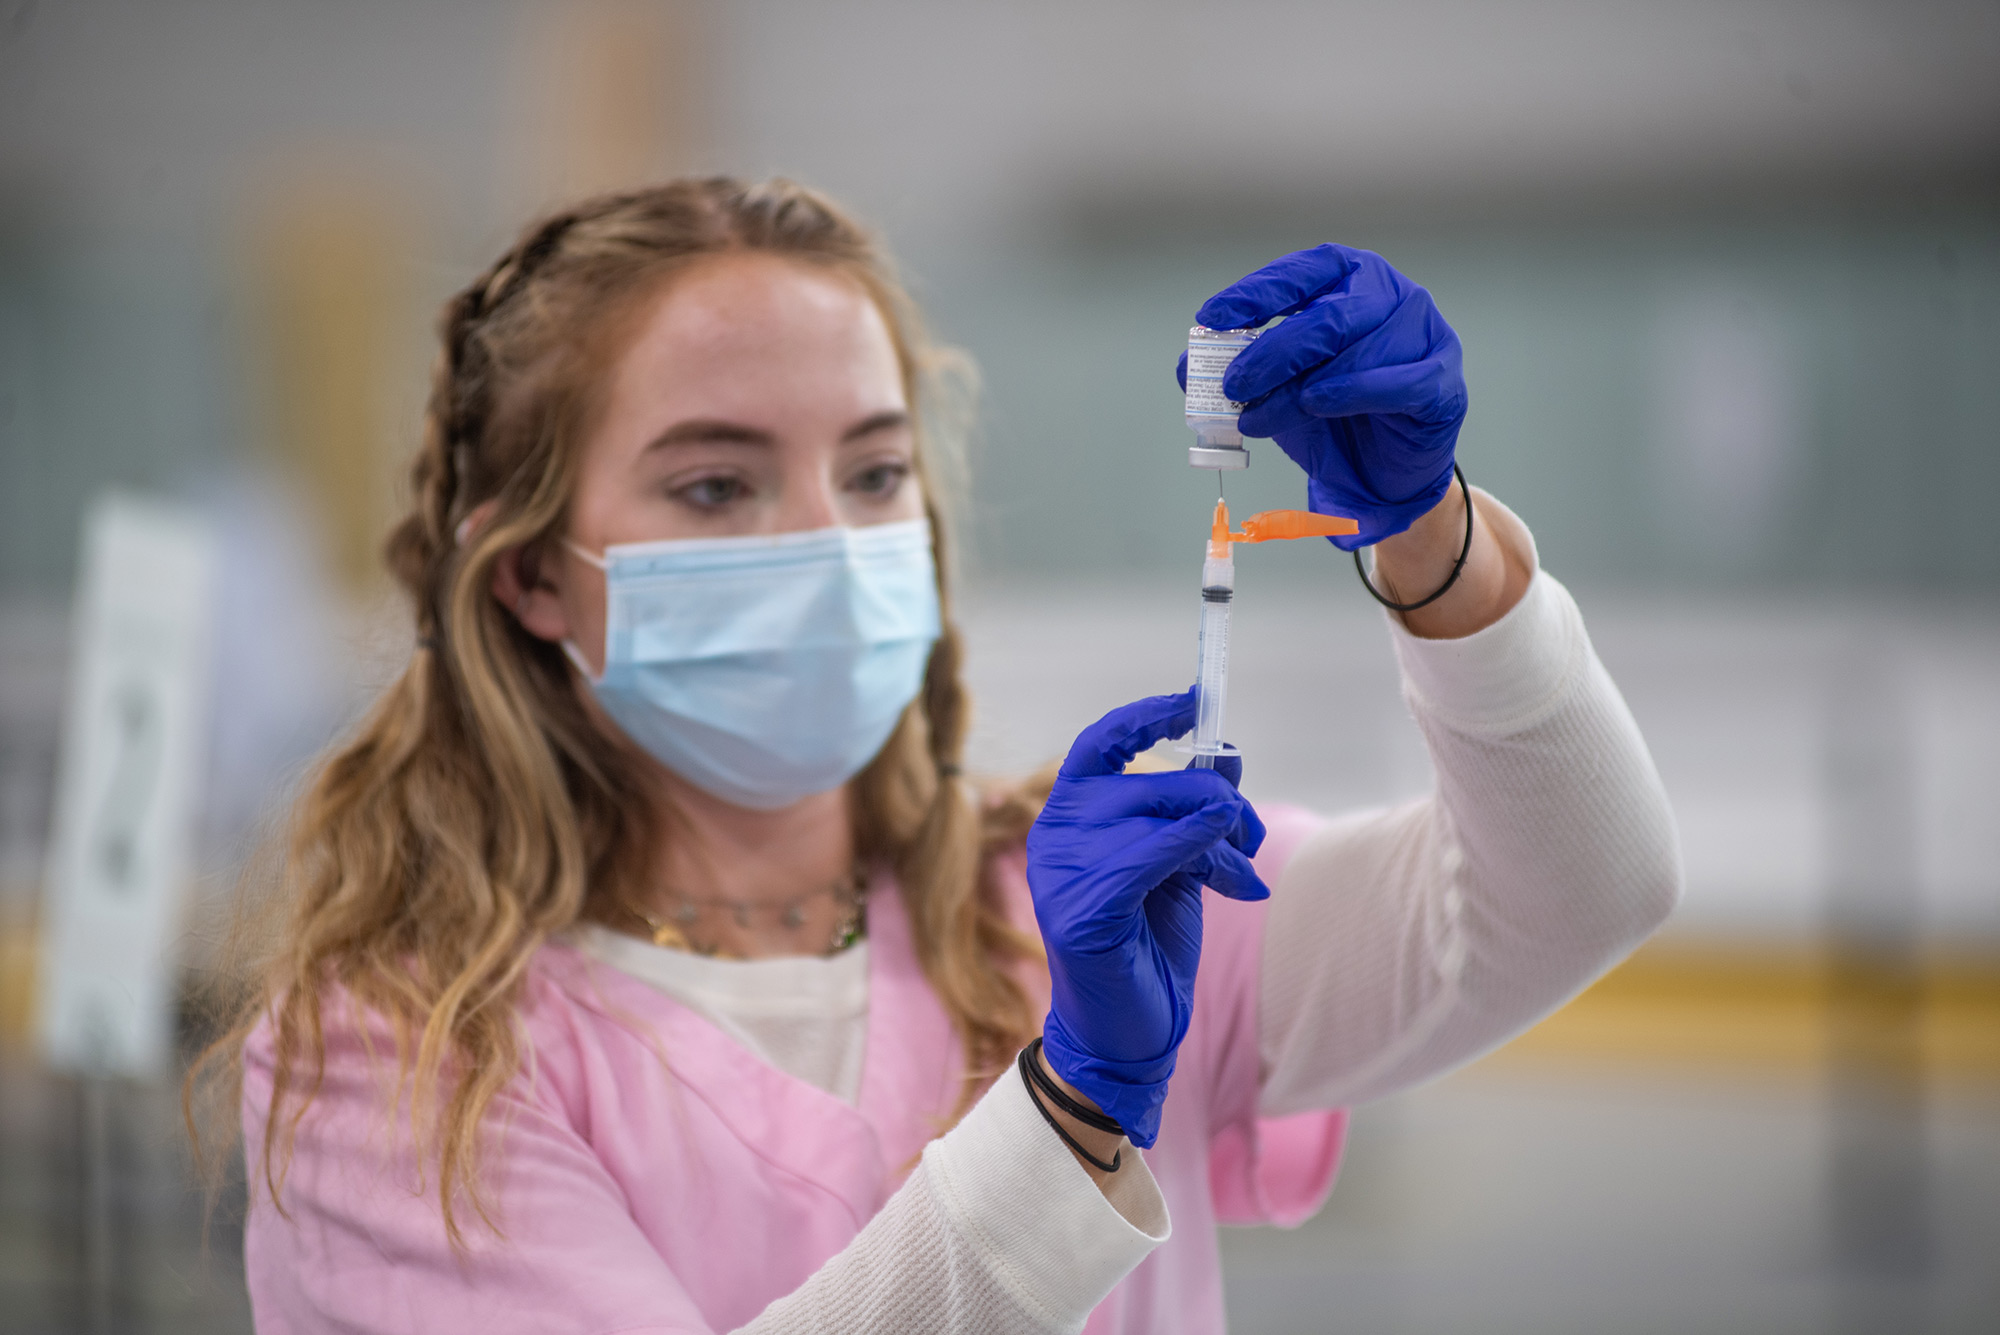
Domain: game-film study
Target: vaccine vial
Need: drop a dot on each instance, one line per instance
(1212, 418)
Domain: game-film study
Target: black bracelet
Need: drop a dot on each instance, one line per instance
(1090, 1117)
(1457, 566)
(1028, 1081)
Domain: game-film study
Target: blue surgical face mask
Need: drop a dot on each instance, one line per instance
(765, 669)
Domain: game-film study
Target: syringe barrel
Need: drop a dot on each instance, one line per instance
(1218, 590)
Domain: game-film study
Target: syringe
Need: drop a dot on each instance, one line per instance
(1218, 591)
(1211, 689)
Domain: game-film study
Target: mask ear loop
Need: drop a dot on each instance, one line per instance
(578, 661)
(569, 648)
(587, 555)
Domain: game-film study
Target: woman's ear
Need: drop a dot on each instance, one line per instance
(519, 581)
(524, 588)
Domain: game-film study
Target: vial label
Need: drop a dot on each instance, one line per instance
(1210, 352)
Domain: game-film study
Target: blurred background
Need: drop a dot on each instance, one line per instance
(1728, 279)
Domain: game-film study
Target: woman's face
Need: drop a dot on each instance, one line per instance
(759, 395)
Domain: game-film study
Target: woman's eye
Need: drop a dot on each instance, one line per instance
(712, 493)
(880, 481)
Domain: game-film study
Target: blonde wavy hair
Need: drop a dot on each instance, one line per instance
(477, 811)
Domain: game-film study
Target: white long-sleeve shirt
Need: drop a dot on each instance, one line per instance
(1401, 943)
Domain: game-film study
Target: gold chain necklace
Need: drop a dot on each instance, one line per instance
(686, 911)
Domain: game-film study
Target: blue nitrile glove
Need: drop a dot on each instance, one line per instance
(1362, 386)
(1116, 862)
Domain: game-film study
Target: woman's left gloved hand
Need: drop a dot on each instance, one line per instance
(1116, 863)
(1362, 385)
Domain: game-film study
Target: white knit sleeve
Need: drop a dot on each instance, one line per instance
(1404, 942)
(999, 1231)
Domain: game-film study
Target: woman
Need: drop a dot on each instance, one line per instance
(651, 966)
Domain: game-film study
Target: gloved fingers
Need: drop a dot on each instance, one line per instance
(1430, 391)
(1228, 872)
(1173, 916)
(1280, 287)
(1132, 871)
(1229, 767)
(1246, 830)
(1278, 415)
(1180, 370)
(1375, 319)
(1158, 799)
(1109, 744)
(1167, 795)
(1411, 332)
(1316, 335)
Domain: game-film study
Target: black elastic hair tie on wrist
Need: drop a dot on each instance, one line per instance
(1090, 1117)
(1457, 567)
(1033, 1077)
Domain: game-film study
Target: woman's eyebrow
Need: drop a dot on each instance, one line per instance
(886, 420)
(710, 429)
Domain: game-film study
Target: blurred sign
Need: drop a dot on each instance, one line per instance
(125, 795)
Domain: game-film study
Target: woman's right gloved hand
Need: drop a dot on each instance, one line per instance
(1116, 863)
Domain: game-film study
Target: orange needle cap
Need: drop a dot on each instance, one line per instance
(1271, 525)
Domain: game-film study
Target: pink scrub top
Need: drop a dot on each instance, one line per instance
(651, 1175)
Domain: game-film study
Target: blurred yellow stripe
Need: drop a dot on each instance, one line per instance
(17, 983)
(1779, 1008)
(1720, 1006)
